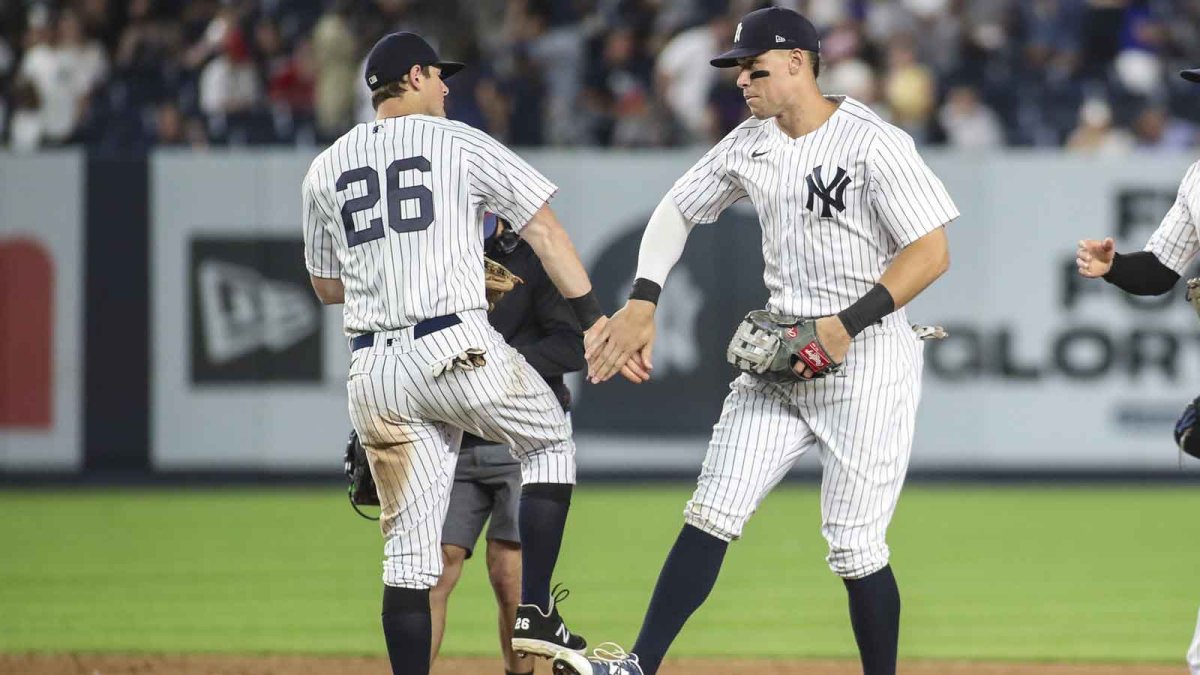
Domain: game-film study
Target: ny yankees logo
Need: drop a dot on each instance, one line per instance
(831, 194)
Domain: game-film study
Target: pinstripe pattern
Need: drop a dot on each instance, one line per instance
(1176, 241)
(410, 423)
(864, 449)
(394, 209)
(401, 278)
(817, 265)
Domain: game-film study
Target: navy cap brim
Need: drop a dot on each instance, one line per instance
(449, 68)
(1192, 75)
(730, 58)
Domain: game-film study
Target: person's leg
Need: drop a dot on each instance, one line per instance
(513, 405)
(754, 443)
(470, 503)
(864, 422)
(412, 463)
(504, 572)
(453, 558)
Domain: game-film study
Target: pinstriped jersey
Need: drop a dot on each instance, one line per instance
(836, 205)
(1176, 239)
(394, 209)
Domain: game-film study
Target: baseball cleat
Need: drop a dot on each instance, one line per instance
(545, 634)
(607, 659)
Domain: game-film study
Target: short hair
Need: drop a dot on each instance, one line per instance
(394, 89)
(815, 59)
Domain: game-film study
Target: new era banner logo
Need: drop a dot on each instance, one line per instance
(254, 317)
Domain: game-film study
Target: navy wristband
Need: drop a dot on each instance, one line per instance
(869, 309)
(644, 289)
(587, 309)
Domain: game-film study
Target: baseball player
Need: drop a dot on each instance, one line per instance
(852, 230)
(1154, 271)
(391, 228)
(536, 320)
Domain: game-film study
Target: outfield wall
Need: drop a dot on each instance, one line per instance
(182, 334)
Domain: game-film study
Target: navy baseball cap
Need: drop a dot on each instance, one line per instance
(771, 28)
(394, 55)
(1192, 75)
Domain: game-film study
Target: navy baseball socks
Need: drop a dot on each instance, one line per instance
(407, 629)
(539, 629)
(687, 577)
(541, 521)
(875, 616)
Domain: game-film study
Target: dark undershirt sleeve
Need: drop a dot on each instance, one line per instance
(1141, 273)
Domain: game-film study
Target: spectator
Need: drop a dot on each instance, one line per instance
(1155, 129)
(685, 78)
(26, 127)
(336, 57)
(230, 84)
(65, 68)
(618, 94)
(1095, 133)
(909, 89)
(968, 123)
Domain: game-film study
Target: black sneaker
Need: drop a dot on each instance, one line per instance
(545, 635)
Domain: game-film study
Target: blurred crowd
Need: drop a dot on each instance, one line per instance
(1091, 75)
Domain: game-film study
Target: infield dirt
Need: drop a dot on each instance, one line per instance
(83, 664)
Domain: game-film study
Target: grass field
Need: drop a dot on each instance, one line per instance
(1038, 573)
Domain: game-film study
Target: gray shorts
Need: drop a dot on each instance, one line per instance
(487, 483)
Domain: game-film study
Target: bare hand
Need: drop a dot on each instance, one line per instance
(1094, 258)
(834, 338)
(624, 344)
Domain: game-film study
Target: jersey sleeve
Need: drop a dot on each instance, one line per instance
(506, 184)
(1175, 241)
(707, 189)
(909, 200)
(320, 250)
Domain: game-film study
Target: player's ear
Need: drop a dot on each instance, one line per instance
(416, 76)
(796, 61)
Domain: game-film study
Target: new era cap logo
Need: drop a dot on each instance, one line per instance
(372, 80)
(779, 38)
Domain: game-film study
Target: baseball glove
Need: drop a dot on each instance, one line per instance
(358, 472)
(1193, 294)
(1184, 438)
(769, 346)
(497, 280)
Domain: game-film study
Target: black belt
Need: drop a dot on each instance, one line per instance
(426, 327)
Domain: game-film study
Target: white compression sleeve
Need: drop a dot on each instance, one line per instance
(663, 241)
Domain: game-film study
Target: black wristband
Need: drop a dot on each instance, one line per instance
(869, 309)
(1141, 273)
(587, 309)
(644, 289)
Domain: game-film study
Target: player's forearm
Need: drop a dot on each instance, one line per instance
(917, 266)
(663, 241)
(556, 252)
(1141, 273)
(554, 249)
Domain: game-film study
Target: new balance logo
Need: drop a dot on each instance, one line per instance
(779, 39)
(830, 194)
(563, 633)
